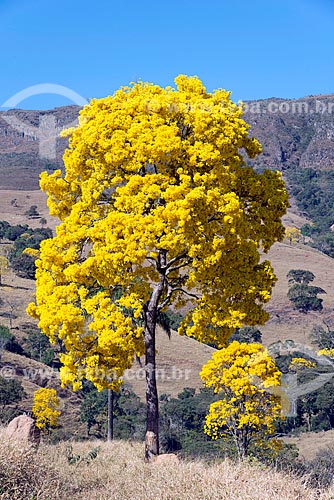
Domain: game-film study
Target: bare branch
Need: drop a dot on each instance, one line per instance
(178, 267)
(175, 259)
(170, 292)
(193, 295)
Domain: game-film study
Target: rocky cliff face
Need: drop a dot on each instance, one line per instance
(293, 133)
(30, 143)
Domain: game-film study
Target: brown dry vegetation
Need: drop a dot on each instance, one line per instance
(119, 473)
(309, 443)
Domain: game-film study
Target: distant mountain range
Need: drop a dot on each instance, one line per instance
(294, 133)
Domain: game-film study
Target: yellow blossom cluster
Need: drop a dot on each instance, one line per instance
(45, 408)
(300, 363)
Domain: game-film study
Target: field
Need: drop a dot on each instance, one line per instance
(119, 473)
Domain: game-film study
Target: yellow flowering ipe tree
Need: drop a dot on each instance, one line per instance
(156, 206)
(46, 408)
(245, 377)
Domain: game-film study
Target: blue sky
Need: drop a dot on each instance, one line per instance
(257, 49)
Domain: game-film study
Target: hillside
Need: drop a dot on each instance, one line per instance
(293, 133)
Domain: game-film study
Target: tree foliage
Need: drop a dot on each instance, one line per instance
(11, 391)
(24, 237)
(242, 375)
(248, 334)
(8, 341)
(4, 267)
(323, 336)
(46, 408)
(157, 206)
(312, 190)
(293, 234)
(37, 346)
(300, 276)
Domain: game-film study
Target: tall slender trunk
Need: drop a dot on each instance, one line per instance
(110, 433)
(152, 402)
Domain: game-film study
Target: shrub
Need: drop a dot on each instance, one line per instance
(24, 266)
(11, 391)
(8, 341)
(32, 212)
(318, 472)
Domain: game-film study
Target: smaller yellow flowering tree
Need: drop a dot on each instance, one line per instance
(242, 375)
(298, 364)
(4, 267)
(293, 234)
(46, 408)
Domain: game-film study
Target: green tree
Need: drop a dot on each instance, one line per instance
(8, 341)
(37, 346)
(303, 296)
(323, 336)
(300, 276)
(248, 334)
(32, 212)
(11, 391)
(156, 203)
(24, 266)
(128, 412)
(93, 409)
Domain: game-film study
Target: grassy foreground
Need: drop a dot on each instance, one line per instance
(119, 473)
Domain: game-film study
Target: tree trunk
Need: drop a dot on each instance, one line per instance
(152, 404)
(150, 311)
(110, 434)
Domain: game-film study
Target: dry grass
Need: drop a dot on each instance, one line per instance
(119, 473)
(14, 211)
(285, 322)
(24, 474)
(309, 443)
